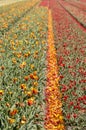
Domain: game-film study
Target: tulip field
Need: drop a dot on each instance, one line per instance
(43, 65)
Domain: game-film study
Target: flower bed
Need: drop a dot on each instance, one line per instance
(70, 44)
(42, 69)
(78, 5)
(53, 117)
(76, 12)
(14, 13)
(22, 73)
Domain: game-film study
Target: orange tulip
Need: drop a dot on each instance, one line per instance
(30, 101)
(13, 112)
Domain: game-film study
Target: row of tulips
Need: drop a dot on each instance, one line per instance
(78, 5)
(83, 1)
(22, 72)
(14, 13)
(78, 1)
(77, 13)
(70, 43)
(6, 8)
(54, 118)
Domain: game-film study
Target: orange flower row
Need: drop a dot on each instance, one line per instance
(54, 118)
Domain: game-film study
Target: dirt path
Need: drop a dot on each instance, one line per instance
(7, 2)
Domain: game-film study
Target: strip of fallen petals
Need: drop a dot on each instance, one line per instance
(54, 118)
